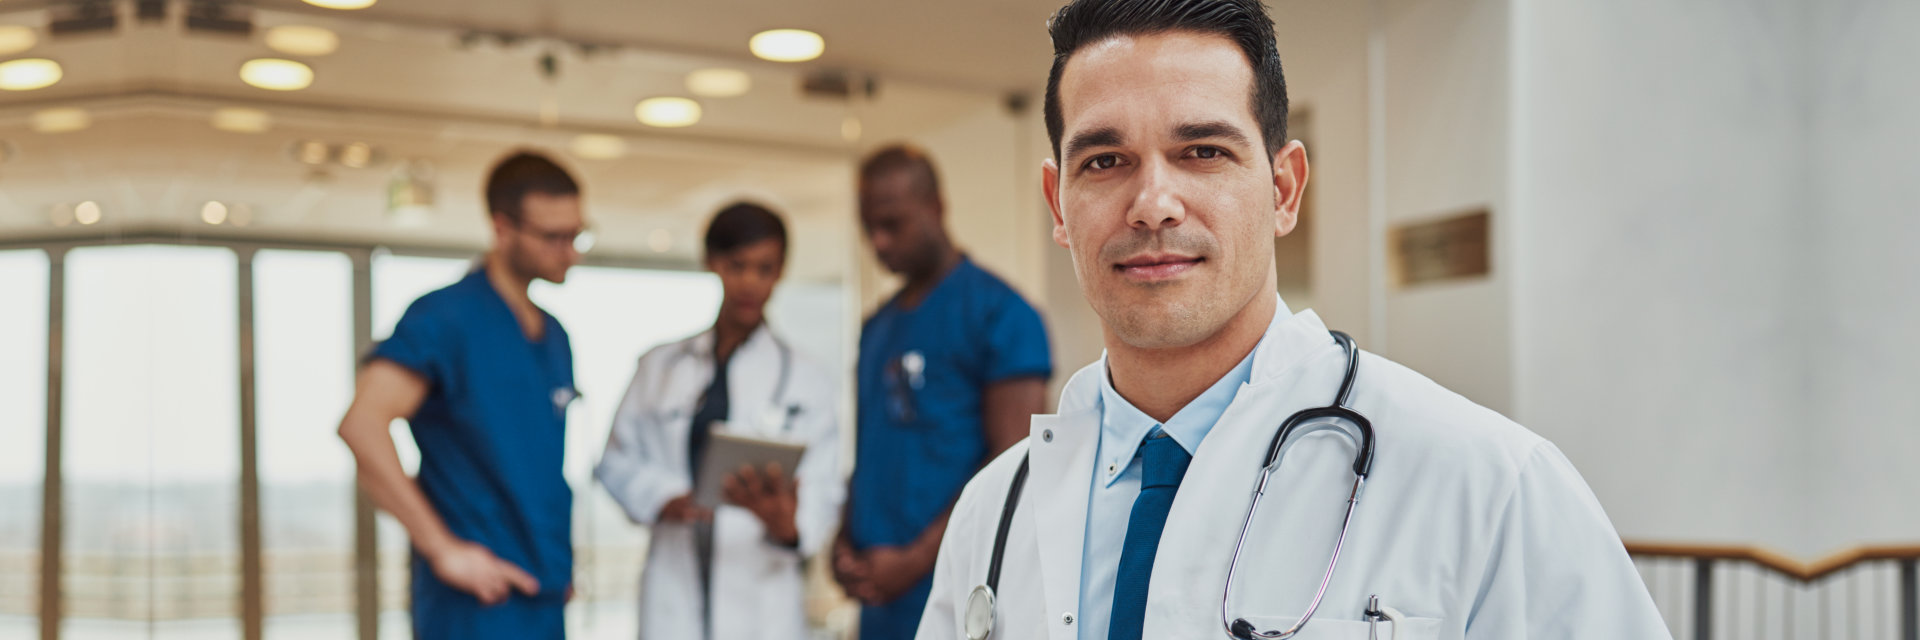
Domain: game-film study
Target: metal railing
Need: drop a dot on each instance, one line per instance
(1742, 592)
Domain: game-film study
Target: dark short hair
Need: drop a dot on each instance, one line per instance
(901, 157)
(1085, 22)
(522, 173)
(741, 224)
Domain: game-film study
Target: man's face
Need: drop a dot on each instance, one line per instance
(1165, 195)
(541, 244)
(900, 220)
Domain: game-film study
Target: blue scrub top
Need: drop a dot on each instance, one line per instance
(491, 434)
(922, 372)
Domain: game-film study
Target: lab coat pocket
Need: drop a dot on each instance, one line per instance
(1327, 629)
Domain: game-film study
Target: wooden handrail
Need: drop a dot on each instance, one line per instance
(1775, 561)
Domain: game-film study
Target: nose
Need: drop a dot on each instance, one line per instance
(1157, 204)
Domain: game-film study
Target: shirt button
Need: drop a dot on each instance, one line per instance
(1047, 435)
(1111, 468)
(1066, 618)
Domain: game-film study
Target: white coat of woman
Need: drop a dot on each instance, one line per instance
(774, 517)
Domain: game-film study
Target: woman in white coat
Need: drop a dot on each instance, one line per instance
(733, 571)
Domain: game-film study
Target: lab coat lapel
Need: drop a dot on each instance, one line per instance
(1063, 447)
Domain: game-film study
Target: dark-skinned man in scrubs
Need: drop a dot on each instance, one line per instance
(484, 378)
(950, 371)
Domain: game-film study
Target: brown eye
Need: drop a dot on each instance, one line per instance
(1107, 161)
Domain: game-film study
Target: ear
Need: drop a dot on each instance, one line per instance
(1289, 186)
(1050, 189)
(502, 227)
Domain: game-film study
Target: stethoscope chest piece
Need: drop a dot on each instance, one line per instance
(979, 622)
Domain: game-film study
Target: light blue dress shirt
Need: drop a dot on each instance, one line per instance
(1116, 482)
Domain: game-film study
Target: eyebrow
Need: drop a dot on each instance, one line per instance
(1101, 137)
(1192, 131)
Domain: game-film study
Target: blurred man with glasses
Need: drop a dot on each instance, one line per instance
(484, 378)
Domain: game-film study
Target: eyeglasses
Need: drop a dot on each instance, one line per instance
(580, 239)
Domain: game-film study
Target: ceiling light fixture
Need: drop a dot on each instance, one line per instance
(242, 120)
(86, 212)
(27, 74)
(342, 4)
(213, 212)
(667, 112)
(358, 155)
(61, 120)
(598, 146)
(15, 39)
(719, 83)
(274, 74)
(302, 40)
(787, 45)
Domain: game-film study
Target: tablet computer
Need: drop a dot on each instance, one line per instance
(727, 452)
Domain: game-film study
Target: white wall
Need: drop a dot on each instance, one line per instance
(1860, 432)
(1660, 260)
(1446, 130)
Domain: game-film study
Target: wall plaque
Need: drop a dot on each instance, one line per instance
(1451, 248)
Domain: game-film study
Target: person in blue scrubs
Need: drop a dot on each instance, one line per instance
(484, 378)
(951, 370)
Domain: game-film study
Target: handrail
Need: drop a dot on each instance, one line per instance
(1775, 561)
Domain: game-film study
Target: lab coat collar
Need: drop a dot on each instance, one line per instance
(701, 345)
(1289, 339)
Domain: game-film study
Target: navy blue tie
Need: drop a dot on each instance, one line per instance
(1162, 464)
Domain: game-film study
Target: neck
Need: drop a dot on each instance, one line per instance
(728, 336)
(512, 287)
(921, 282)
(1160, 382)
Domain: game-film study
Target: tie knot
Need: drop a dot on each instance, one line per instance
(1162, 463)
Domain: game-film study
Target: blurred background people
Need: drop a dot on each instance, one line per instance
(734, 571)
(951, 368)
(484, 378)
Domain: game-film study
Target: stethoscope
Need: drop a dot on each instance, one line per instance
(1337, 417)
(784, 414)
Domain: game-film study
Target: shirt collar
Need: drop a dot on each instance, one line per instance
(1123, 427)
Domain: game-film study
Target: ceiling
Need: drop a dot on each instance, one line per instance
(412, 79)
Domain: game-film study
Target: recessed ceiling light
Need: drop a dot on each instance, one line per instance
(86, 212)
(787, 45)
(275, 74)
(15, 39)
(27, 74)
(598, 146)
(312, 152)
(302, 40)
(242, 120)
(667, 112)
(358, 155)
(213, 212)
(342, 4)
(719, 83)
(61, 120)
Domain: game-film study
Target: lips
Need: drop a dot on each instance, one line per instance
(1156, 267)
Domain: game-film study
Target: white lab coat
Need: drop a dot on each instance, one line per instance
(1470, 524)
(757, 584)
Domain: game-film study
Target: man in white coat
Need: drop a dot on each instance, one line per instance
(733, 571)
(1171, 176)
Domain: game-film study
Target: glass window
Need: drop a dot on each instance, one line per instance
(23, 401)
(151, 443)
(303, 368)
